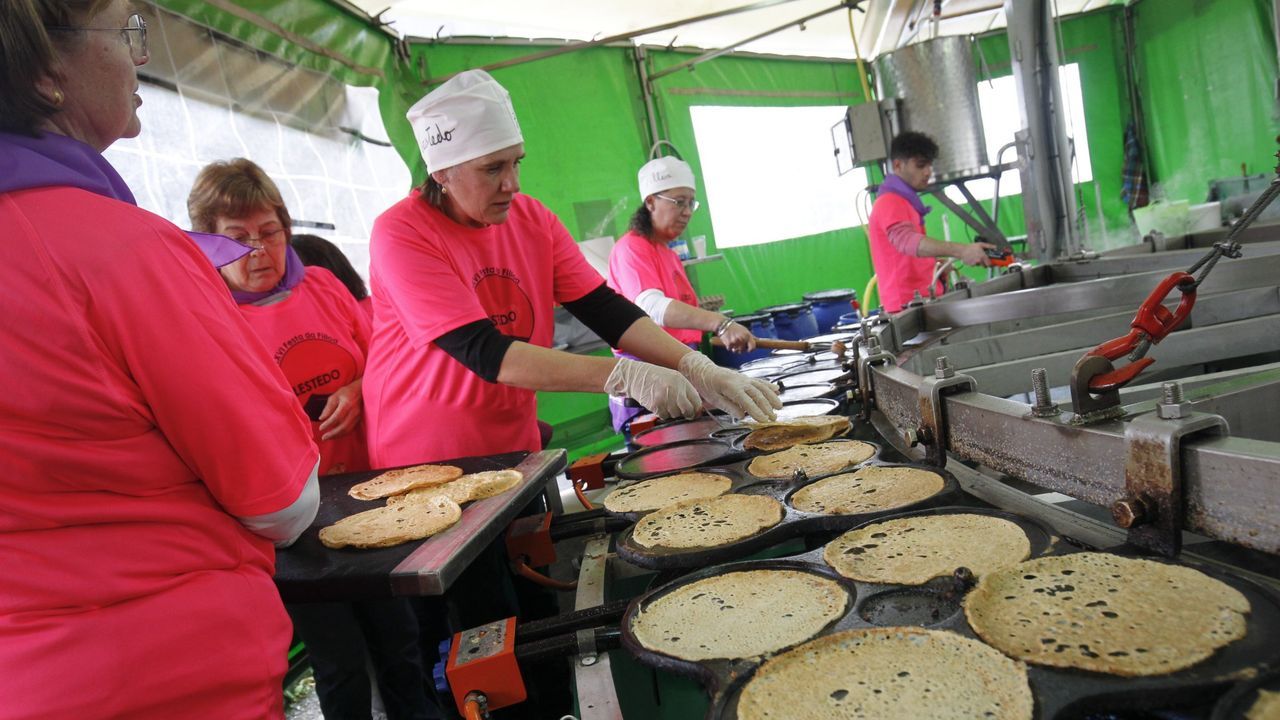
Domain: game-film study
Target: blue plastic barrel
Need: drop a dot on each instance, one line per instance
(849, 320)
(760, 325)
(829, 305)
(793, 322)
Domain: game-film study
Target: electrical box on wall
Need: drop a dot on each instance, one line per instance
(866, 133)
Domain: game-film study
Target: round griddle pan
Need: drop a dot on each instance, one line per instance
(1235, 705)
(794, 522)
(1059, 693)
(720, 427)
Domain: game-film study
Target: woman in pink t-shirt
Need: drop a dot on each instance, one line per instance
(644, 270)
(316, 333)
(140, 493)
(465, 277)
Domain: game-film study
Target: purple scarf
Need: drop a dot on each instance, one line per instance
(54, 160)
(222, 250)
(897, 186)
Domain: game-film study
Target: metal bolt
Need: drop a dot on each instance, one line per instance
(1129, 512)
(911, 437)
(1172, 405)
(873, 345)
(1045, 406)
(587, 660)
(942, 368)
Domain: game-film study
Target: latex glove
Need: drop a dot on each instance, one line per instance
(731, 391)
(661, 391)
(738, 339)
(975, 254)
(342, 411)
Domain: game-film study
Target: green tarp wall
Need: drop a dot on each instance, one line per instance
(1206, 74)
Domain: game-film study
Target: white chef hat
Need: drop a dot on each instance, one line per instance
(468, 116)
(665, 173)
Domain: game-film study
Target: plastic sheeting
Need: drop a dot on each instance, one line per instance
(1207, 72)
(207, 99)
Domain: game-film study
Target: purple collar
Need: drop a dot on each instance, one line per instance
(294, 271)
(222, 250)
(897, 186)
(54, 160)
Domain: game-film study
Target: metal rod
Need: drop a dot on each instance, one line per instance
(613, 38)
(713, 54)
(646, 90)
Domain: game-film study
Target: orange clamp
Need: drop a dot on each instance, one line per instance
(1152, 323)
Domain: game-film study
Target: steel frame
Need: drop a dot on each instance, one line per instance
(997, 332)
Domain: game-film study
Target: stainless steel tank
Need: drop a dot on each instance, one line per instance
(937, 93)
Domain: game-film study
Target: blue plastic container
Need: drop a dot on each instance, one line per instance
(793, 322)
(760, 325)
(849, 320)
(829, 306)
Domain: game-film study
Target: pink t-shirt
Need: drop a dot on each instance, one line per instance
(637, 264)
(431, 275)
(319, 337)
(898, 276)
(139, 415)
(366, 304)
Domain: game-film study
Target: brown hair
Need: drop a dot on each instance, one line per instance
(29, 53)
(233, 189)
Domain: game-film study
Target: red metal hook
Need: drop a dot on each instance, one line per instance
(1152, 323)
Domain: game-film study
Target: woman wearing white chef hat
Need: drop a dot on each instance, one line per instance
(465, 274)
(647, 272)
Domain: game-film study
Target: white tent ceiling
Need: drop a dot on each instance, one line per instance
(886, 24)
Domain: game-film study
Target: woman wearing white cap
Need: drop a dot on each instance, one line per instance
(465, 274)
(644, 270)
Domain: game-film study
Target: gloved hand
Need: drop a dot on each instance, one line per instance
(737, 338)
(661, 391)
(731, 391)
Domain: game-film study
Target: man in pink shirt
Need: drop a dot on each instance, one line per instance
(903, 256)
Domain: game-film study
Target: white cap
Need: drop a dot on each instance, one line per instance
(467, 117)
(665, 173)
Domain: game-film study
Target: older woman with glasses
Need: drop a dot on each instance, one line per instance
(313, 329)
(647, 272)
(141, 494)
(309, 322)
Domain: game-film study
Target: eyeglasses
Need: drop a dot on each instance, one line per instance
(681, 205)
(272, 239)
(134, 33)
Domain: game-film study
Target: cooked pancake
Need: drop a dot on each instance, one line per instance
(1104, 613)
(816, 459)
(1266, 707)
(667, 490)
(781, 608)
(910, 551)
(870, 489)
(887, 674)
(390, 526)
(402, 480)
(809, 429)
(476, 486)
(709, 522)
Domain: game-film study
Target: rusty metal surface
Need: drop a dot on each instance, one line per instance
(1231, 485)
(1152, 508)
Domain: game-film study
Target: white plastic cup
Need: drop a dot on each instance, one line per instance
(700, 246)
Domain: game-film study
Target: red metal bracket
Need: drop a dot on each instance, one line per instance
(483, 660)
(1152, 323)
(588, 470)
(530, 537)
